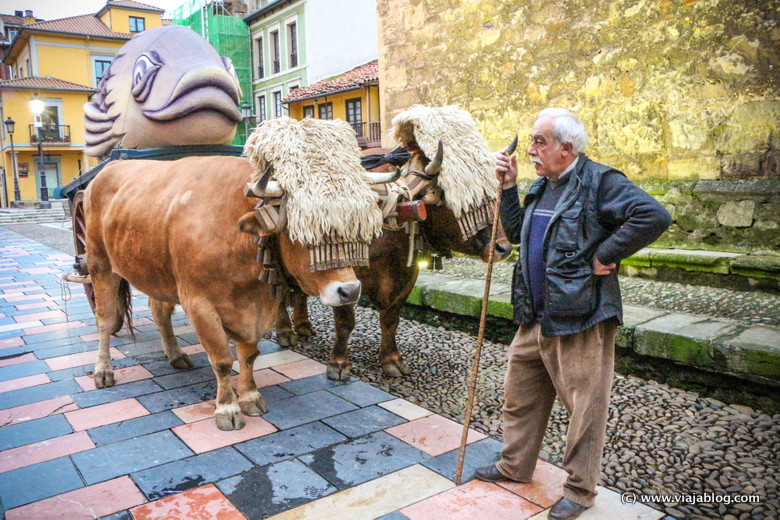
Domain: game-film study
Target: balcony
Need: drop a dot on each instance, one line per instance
(277, 65)
(50, 134)
(371, 136)
(260, 72)
(293, 59)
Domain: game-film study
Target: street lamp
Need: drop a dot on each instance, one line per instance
(246, 112)
(36, 105)
(10, 124)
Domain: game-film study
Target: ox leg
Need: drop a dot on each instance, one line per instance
(303, 326)
(208, 326)
(249, 399)
(393, 364)
(106, 287)
(284, 330)
(339, 366)
(161, 312)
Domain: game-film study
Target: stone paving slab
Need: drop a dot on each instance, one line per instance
(713, 344)
(148, 447)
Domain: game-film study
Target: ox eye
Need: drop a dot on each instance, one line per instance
(144, 71)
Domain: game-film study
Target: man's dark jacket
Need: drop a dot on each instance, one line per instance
(600, 213)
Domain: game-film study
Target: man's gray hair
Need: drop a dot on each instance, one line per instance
(567, 128)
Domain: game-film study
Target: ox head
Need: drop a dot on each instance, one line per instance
(453, 172)
(316, 200)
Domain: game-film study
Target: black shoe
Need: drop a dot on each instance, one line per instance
(491, 474)
(565, 509)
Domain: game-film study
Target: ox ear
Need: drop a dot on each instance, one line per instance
(249, 224)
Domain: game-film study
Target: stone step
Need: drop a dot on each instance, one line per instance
(749, 352)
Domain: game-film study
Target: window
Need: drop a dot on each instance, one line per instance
(101, 67)
(136, 24)
(261, 115)
(260, 59)
(12, 34)
(325, 111)
(277, 104)
(29, 68)
(308, 111)
(277, 67)
(354, 115)
(292, 33)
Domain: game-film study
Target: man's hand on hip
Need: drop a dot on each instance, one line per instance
(601, 269)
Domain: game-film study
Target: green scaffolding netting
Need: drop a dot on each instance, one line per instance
(228, 34)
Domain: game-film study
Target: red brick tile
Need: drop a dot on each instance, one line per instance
(433, 434)
(86, 503)
(545, 488)
(45, 450)
(108, 413)
(37, 410)
(475, 500)
(301, 369)
(263, 378)
(24, 358)
(90, 337)
(203, 503)
(24, 382)
(16, 284)
(35, 305)
(39, 316)
(121, 376)
(38, 270)
(26, 289)
(20, 298)
(202, 436)
(11, 342)
(82, 358)
(196, 412)
(193, 349)
(54, 328)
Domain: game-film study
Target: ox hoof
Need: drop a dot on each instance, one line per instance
(305, 330)
(104, 378)
(182, 362)
(286, 339)
(395, 368)
(254, 406)
(338, 371)
(229, 418)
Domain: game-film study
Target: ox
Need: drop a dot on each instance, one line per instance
(389, 280)
(169, 229)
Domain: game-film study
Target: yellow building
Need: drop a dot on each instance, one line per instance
(352, 96)
(59, 62)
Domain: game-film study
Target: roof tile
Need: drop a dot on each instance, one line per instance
(83, 24)
(353, 79)
(43, 83)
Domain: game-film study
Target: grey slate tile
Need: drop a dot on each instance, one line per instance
(124, 430)
(116, 393)
(303, 409)
(36, 430)
(32, 483)
(110, 461)
(191, 472)
(287, 444)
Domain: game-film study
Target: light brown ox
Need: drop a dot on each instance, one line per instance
(169, 229)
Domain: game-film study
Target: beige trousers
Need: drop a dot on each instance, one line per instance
(579, 369)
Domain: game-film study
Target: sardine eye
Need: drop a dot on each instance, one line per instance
(144, 72)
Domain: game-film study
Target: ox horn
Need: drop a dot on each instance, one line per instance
(509, 150)
(264, 187)
(383, 178)
(435, 165)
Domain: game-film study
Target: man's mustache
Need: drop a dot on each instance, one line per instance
(533, 159)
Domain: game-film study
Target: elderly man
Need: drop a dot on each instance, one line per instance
(578, 220)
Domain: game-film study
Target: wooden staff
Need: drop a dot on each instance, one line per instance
(480, 336)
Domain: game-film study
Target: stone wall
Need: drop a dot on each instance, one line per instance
(669, 90)
(740, 216)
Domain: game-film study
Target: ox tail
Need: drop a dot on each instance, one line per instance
(124, 313)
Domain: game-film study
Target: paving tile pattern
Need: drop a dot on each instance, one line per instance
(148, 447)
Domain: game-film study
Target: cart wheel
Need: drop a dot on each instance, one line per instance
(80, 244)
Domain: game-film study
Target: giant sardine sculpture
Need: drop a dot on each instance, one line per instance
(166, 87)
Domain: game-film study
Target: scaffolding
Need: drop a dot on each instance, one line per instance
(228, 34)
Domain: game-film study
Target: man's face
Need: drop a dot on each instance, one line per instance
(549, 157)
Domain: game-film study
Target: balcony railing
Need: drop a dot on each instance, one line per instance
(277, 65)
(293, 59)
(260, 72)
(374, 130)
(51, 134)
